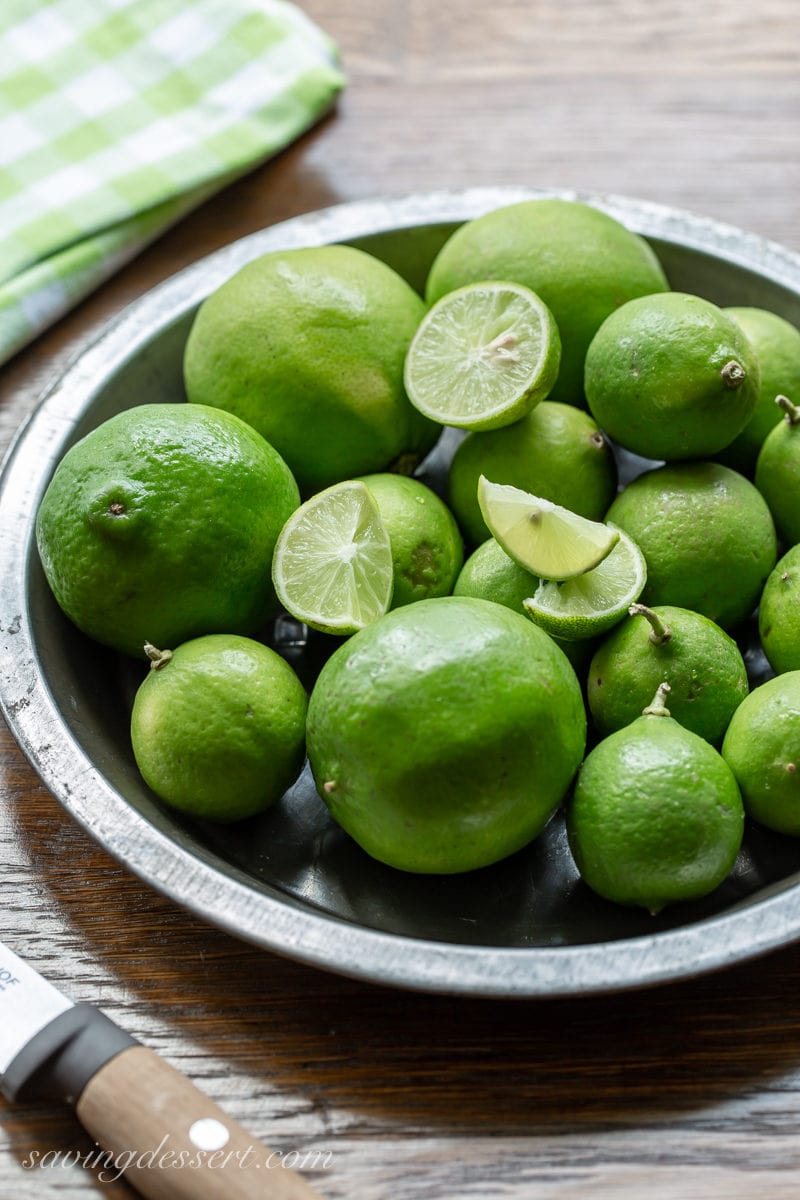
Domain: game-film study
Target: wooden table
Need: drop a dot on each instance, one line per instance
(691, 1090)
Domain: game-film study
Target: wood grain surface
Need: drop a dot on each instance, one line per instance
(691, 1090)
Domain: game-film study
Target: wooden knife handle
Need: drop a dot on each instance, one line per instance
(178, 1143)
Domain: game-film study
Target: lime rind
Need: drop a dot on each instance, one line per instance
(544, 538)
(483, 356)
(332, 567)
(590, 604)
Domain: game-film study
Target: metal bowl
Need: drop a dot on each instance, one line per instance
(291, 881)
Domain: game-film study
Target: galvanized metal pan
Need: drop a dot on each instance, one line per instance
(290, 881)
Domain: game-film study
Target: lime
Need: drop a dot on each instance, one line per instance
(656, 815)
(556, 452)
(332, 567)
(762, 748)
(778, 626)
(701, 664)
(443, 737)
(590, 604)
(160, 525)
(546, 539)
(308, 346)
(706, 534)
(671, 376)
(483, 357)
(778, 472)
(581, 262)
(489, 574)
(218, 726)
(777, 347)
(427, 551)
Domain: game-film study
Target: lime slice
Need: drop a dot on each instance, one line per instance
(590, 604)
(483, 356)
(332, 567)
(546, 539)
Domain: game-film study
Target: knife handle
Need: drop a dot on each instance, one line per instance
(178, 1143)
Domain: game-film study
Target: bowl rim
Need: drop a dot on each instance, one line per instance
(311, 936)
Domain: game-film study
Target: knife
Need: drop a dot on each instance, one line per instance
(175, 1142)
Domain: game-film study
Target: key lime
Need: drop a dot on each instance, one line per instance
(592, 603)
(777, 347)
(707, 536)
(556, 452)
(489, 574)
(762, 748)
(656, 816)
(778, 472)
(443, 737)
(427, 551)
(544, 538)
(218, 726)
(308, 346)
(160, 525)
(483, 356)
(778, 626)
(671, 376)
(332, 567)
(702, 665)
(580, 261)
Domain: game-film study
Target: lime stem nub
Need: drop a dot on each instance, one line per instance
(329, 787)
(733, 374)
(792, 411)
(659, 632)
(658, 708)
(158, 658)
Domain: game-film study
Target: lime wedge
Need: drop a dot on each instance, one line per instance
(590, 604)
(483, 356)
(546, 539)
(332, 567)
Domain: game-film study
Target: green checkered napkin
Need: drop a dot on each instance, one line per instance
(119, 116)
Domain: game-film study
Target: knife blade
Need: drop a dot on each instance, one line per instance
(174, 1141)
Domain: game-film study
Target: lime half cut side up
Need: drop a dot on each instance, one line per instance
(548, 540)
(333, 562)
(590, 604)
(483, 356)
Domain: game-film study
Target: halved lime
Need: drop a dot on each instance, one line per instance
(590, 604)
(546, 539)
(332, 567)
(483, 356)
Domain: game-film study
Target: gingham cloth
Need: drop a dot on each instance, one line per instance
(119, 116)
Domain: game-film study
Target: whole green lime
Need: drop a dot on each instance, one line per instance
(702, 665)
(443, 737)
(556, 452)
(656, 815)
(777, 347)
(580, 261)
(707, 536)
(218, 727)
(160, 525)
(671, 376)
(308, 346)
(427, 551)
(490, 574)
(762, 748)
(778, 473)
(778, 626)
